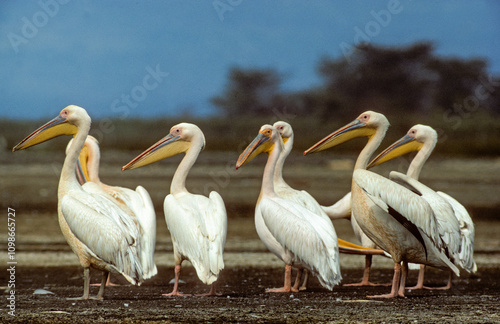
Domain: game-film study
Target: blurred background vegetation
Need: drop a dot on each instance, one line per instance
(410, 85)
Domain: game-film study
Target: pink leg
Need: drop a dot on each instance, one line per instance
(420, 280)
(175, 291)
(287, 287)
(448, 286)
(366, 275)
(304, 282)
(402, 283)
(395, 283)
(297, 280)
(108, 283)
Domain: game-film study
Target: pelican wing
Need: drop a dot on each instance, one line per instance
(467, 233)
(147, 220)
(186, 217)
(409, 208)
(305, 235)
(93, 220)
(216, 223)
(139, 202)
(147, 216)
(106, 205)
(448, 226)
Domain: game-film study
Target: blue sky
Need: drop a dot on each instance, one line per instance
(164, 58)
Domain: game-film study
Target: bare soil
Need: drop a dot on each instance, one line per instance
(474, 299)
(44, 260)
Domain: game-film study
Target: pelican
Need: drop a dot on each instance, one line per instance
(197, 224)
(137, 203)
(98, 231)
(423, 139)
(302, 197)
(398, 220)
(292, 232)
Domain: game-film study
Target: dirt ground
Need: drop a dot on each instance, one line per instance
(249, 270)
(473, 299)
(45, 261)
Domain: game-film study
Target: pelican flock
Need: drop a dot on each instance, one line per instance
(113, 229)
(398, 220)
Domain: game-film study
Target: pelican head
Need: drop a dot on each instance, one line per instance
(285, 130)
(180, 139)
(263, 143)
(66, 123)
(414, 140)
(366, 125)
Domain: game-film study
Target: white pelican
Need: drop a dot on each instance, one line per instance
(399, 221)
(137, 203)
(303, 198)
(100, 233)
(293, 233)
(423, 139)
(197, 224)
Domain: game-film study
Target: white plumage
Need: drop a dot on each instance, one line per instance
(197, 224)
(137, 203)
(100, 233)
(296, 235)
(399, 221)
(301, 197)
(455, 226)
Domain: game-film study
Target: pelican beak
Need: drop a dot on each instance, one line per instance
(81, 166)
(402, 146)
(56, 127)
(352, 130)
(260, 144)
(168, 146)
(351, 248)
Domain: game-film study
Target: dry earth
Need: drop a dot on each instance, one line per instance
(44, 261)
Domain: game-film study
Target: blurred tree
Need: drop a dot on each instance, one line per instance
(379, 79)
(460, 79)
(406, 78)
(249, 92)
(388, 79)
